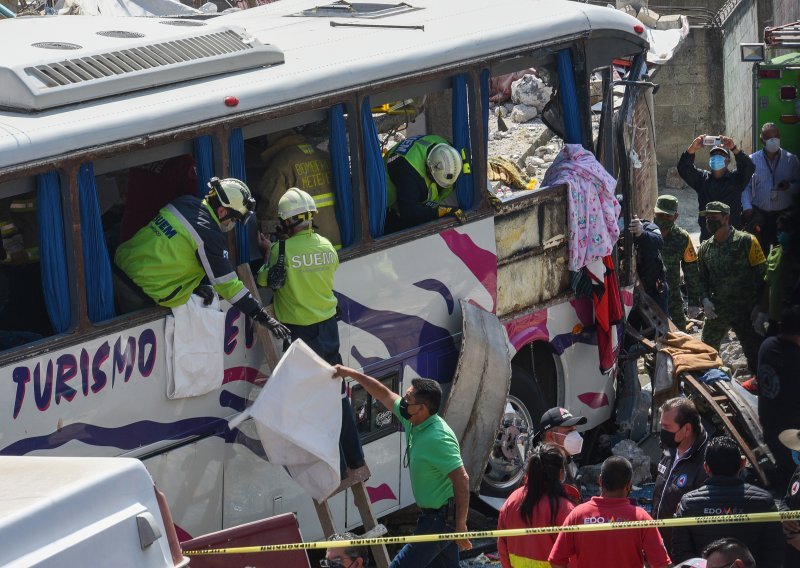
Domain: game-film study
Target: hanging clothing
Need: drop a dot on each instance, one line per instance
(593, 207)
(608, 313)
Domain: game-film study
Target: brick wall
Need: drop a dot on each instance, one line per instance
(690, 99)
(740, 27)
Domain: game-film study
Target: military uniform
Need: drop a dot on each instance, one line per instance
(678, 252)
(732, 276)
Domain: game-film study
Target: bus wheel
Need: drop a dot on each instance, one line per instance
(524, 405)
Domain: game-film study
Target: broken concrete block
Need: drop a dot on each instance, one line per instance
(648, 17)
(523, 113)
(531, 91)
(639, 460)
(674, 180)
(672, 22)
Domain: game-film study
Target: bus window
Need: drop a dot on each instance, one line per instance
(522, 141)
(131, 189)
(425, 167)
(296, 153)
(373, 420)
(23, 316)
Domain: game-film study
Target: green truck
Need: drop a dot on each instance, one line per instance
(776, 80)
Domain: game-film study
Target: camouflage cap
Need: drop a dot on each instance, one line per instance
(716, 207)
(667, 205)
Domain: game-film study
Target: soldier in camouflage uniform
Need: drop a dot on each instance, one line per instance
(678, 252)
(732, 268)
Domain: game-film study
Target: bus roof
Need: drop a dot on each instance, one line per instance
(319, 58)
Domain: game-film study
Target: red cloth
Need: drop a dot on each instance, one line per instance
(535, 547)
(152, 187)
(608, 312)
(626, 548)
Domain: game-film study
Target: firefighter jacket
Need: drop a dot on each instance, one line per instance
(728, 495)
(293, 162)
(410, 191)
(306, 297)
(182, 245)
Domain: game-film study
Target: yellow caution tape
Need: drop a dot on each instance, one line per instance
(675, 522)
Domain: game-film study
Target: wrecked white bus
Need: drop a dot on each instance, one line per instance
(101, 116)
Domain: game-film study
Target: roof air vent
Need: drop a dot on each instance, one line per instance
(33, 81)
(184, 23)
(56, 45)
(343, 9)
(120, 34)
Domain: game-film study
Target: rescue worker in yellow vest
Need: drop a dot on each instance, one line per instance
(300, 271)
(183, 250)
(292, 161)
(421, 173)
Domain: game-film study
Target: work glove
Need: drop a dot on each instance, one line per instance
(760, 323)
(206, 292)
(694, 312)
(457, 213)
(636, 228)
(274, 326)
(708, 308)
(495, 202)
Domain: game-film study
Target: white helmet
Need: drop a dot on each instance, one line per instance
(295, 202)
(444, 164)
(233, 195)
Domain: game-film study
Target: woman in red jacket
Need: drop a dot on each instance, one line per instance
(541, 502)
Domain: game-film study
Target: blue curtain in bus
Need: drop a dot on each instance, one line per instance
(96, 263)
(237, 170)
(53, 251)
(375, 172)
(569, 98)
(486, 76)
(204, 162)
(464, 186)
(340, 167)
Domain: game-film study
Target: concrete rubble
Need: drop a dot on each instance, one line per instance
(639, 460)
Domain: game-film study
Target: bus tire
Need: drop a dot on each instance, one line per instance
(505, 469)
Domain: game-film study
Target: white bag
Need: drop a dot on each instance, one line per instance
(298, 417)
(193, 338)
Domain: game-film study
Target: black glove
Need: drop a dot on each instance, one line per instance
(206, 292)
(274, 326)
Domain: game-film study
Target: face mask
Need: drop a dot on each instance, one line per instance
(773, 144)
(716, 162)
(573, 443)
(664, 224)
(783, 239)
(668, 439)
(227, 225)
(713, 225)
(403, 409)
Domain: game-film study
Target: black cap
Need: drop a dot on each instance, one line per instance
(558, 417)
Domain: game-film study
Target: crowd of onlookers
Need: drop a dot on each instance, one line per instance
(698, 476)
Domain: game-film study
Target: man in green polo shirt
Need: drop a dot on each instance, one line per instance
(434, 461)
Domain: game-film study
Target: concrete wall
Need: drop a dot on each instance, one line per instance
(785, 12)
(741, 26)
(690, 99)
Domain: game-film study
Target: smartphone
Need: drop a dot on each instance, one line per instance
(712, 141)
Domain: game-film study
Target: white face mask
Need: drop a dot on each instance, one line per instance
(573, 443)
(773, 144)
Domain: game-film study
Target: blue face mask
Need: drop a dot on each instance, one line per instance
(783, 239)
(716, 162)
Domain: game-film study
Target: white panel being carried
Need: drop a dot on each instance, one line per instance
(50, 70)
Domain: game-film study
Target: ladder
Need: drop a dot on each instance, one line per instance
(355, 482)
(355, 477)
(785, 36)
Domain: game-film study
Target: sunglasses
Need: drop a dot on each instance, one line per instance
(324, 563)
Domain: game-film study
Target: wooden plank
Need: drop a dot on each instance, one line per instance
(325, 518)
(361, 498)
(748, 452)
